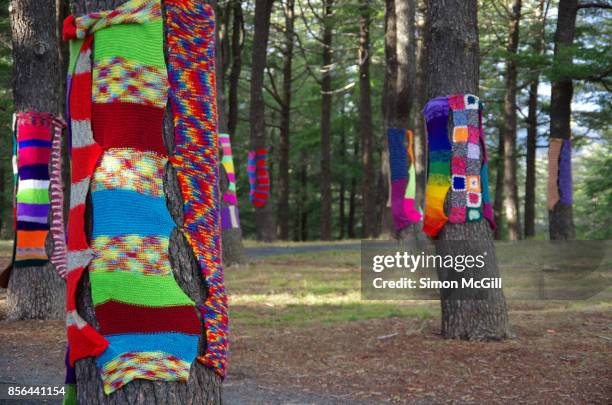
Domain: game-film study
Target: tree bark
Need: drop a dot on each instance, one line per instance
(420, 136)
(284, 177)
(326, 106)
(511, 204)
(561, 221)
(35, 292)
(236, 65)
(232, 248)
(532, 129)
(352, 214)
(453, 37)
(367, 136)
(498, 204)
(204, 385)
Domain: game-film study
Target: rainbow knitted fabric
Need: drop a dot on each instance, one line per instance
(190, 28)
(151, 325)
(33, 151)
(403, 178)
(438, 175)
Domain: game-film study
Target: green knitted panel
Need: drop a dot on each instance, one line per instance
(137, 289)
(33, 196)
(137, 42)
(74, 48)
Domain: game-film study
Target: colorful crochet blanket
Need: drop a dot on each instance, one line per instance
(403, 178)
(460, 165)
(190, 31)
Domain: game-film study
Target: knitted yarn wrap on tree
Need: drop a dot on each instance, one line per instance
(403, 178)
(229, 213)
(191, 70)
(460, 165)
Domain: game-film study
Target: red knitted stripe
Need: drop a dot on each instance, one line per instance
(33, 132)
(76, 229)
(128, 125)
(116, 317)
(84, 161)
(80, 97)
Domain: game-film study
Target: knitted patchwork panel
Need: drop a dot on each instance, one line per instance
(228, 165)
(33, 148)
(191, 45)
(466, 191)
(438, 174)
(131, 277)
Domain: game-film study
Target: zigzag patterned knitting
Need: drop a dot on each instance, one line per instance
(58, 231)
(191, 45)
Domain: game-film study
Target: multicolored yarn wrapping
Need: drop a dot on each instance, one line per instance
(466, 196)
(149, 327)
(131, 277)
(227, 161)
(34, 132)
(229, 213)
(259, 179)
(69, 382)
(439, 172)
(403, 188)
(191, 67)
(465, 168)
(559, 172)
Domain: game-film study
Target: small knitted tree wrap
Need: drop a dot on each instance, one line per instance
(190, 32)
(401, 162)
(227, 161)
(554, 153)
(131, 277)
(58, 226)
(438, 174)
(34, 132)
(565, 173)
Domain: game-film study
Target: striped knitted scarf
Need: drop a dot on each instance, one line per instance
(259, 179)
(191, 67)
(229, 212)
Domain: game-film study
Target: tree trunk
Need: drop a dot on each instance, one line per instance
(498, 204)
(561, 221)
(532, 130)
(511, 204)
(454, 37)
(353, 197)
(283, 184)
(232, 248)
(326, 106)
(264, 218)
(420, 137)
(303, 201)
(234, 76)
(367, 136)
(204, 385)
(35, 292)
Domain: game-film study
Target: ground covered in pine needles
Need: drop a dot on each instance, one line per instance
(299, 327)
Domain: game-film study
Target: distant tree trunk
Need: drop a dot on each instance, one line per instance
(264, 218)
(283, 184)
(343, 163)
(454, 37)
(365, 114)
(498, 203)
(303, 201)
(35, 292)
(561, 221)
(420, 136)
(511, 204)
(389, 110)
(353, 197)
(326, 111)
(204, 385)
(236, 65)
(233, 250)
(532, 130)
